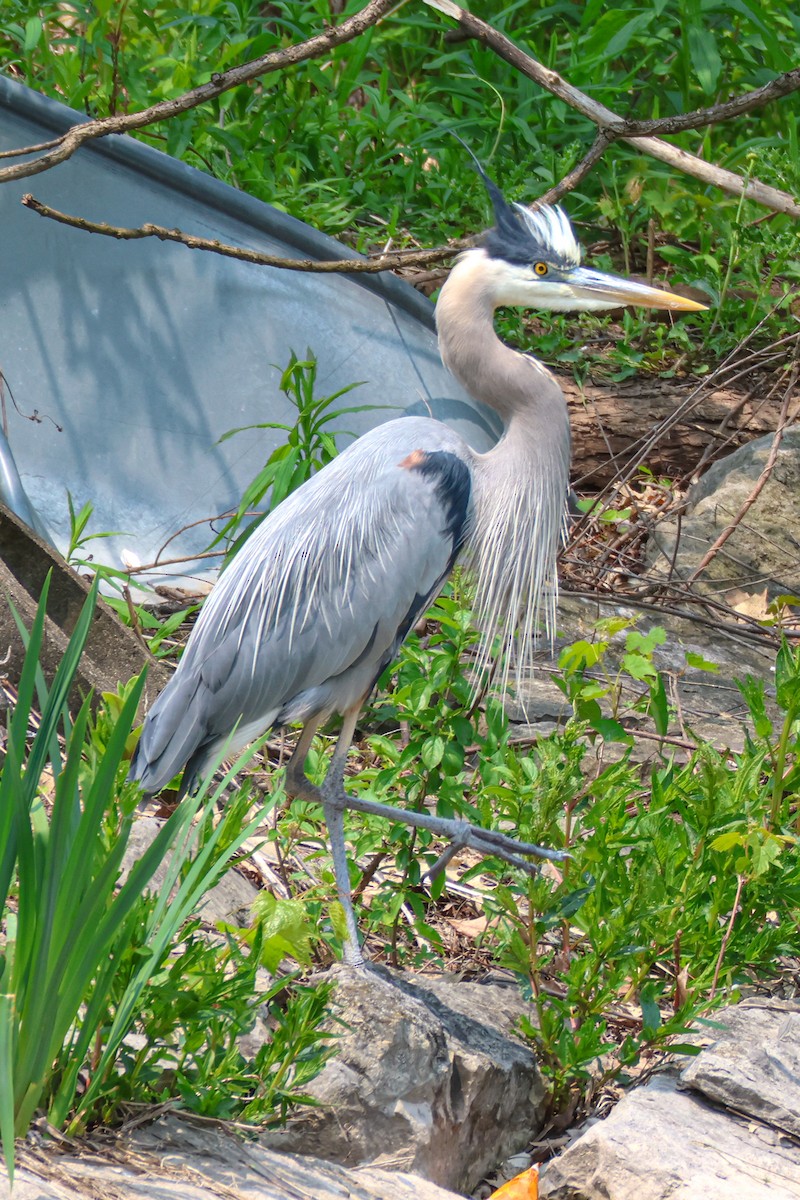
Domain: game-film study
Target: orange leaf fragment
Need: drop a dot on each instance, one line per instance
(470, 927)
(521, 1187)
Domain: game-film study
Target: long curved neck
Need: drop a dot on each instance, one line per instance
(516, 386)
(520, 486)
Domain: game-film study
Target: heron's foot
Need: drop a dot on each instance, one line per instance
(457, 831)
(299, 787)
(491, 844)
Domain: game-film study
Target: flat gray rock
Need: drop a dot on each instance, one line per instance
(180, 1159)
(427, 1078)
(660, 1143)
(762, 549)
(754, 1065)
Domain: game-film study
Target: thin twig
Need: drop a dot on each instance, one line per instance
(727, 937)
(577, 174)
(341, 266)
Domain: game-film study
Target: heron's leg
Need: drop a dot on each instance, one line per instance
(299, 785)
(457, 831)
(332, 789)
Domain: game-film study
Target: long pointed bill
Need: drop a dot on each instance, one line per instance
(610, 291)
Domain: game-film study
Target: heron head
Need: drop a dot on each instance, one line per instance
(535, 262)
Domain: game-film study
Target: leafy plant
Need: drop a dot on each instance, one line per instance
(309, 445)
(201, 998)
(586, 679)
(678, 883)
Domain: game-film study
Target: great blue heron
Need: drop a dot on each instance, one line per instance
(318, 600)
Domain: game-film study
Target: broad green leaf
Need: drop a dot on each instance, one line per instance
(645, 643)
(699, 663)
(651, 1014)
(432, 751)
(581, 655)
(726, 841)
(611, 730)
(638, 667)
(705, 56)
(33, 34)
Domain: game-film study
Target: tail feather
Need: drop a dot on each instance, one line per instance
(170, 737)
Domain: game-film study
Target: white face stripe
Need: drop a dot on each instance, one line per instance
(551, 228)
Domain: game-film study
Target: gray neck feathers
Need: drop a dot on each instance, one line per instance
(520, 486)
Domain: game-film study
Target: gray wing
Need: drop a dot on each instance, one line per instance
(316, 603)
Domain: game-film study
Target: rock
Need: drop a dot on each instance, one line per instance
(229, 899)
(663, 1144)
(180, 1159)
(711, 704)
(666, 1139)
(754, 1066)
(762, 549)
(427, 1078)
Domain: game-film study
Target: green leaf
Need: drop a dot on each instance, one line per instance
(645, 643)
(787, 677)
(432, 751)
(581, 655)
(611, 730)
(659, 709)
(33, 34)
(638, 667)
(699, 663)
(705, 56)
(726, 841)
(453, 759)
(651, 1014)
(7, 1080)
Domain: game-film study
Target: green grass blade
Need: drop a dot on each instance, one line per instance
(7, 1023)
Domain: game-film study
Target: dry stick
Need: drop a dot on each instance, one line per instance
(727, 937)
(760, 483)
(341, 266)
(638, 133)
(611, 128)
(221, 81)
(577, 174)
(29, 149)
(720, 441)
(748, 630)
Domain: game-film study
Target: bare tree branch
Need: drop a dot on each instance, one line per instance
(287, 56)
(578, 172)
(340, 266)
(637, 133)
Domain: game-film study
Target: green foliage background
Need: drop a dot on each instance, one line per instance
(356, 143)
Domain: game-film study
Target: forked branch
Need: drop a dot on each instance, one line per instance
(613, 128)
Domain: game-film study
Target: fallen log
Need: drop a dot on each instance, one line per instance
(611, 422)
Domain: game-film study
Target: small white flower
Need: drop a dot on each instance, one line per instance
(130, 560)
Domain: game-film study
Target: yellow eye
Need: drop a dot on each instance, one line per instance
(540, 268)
